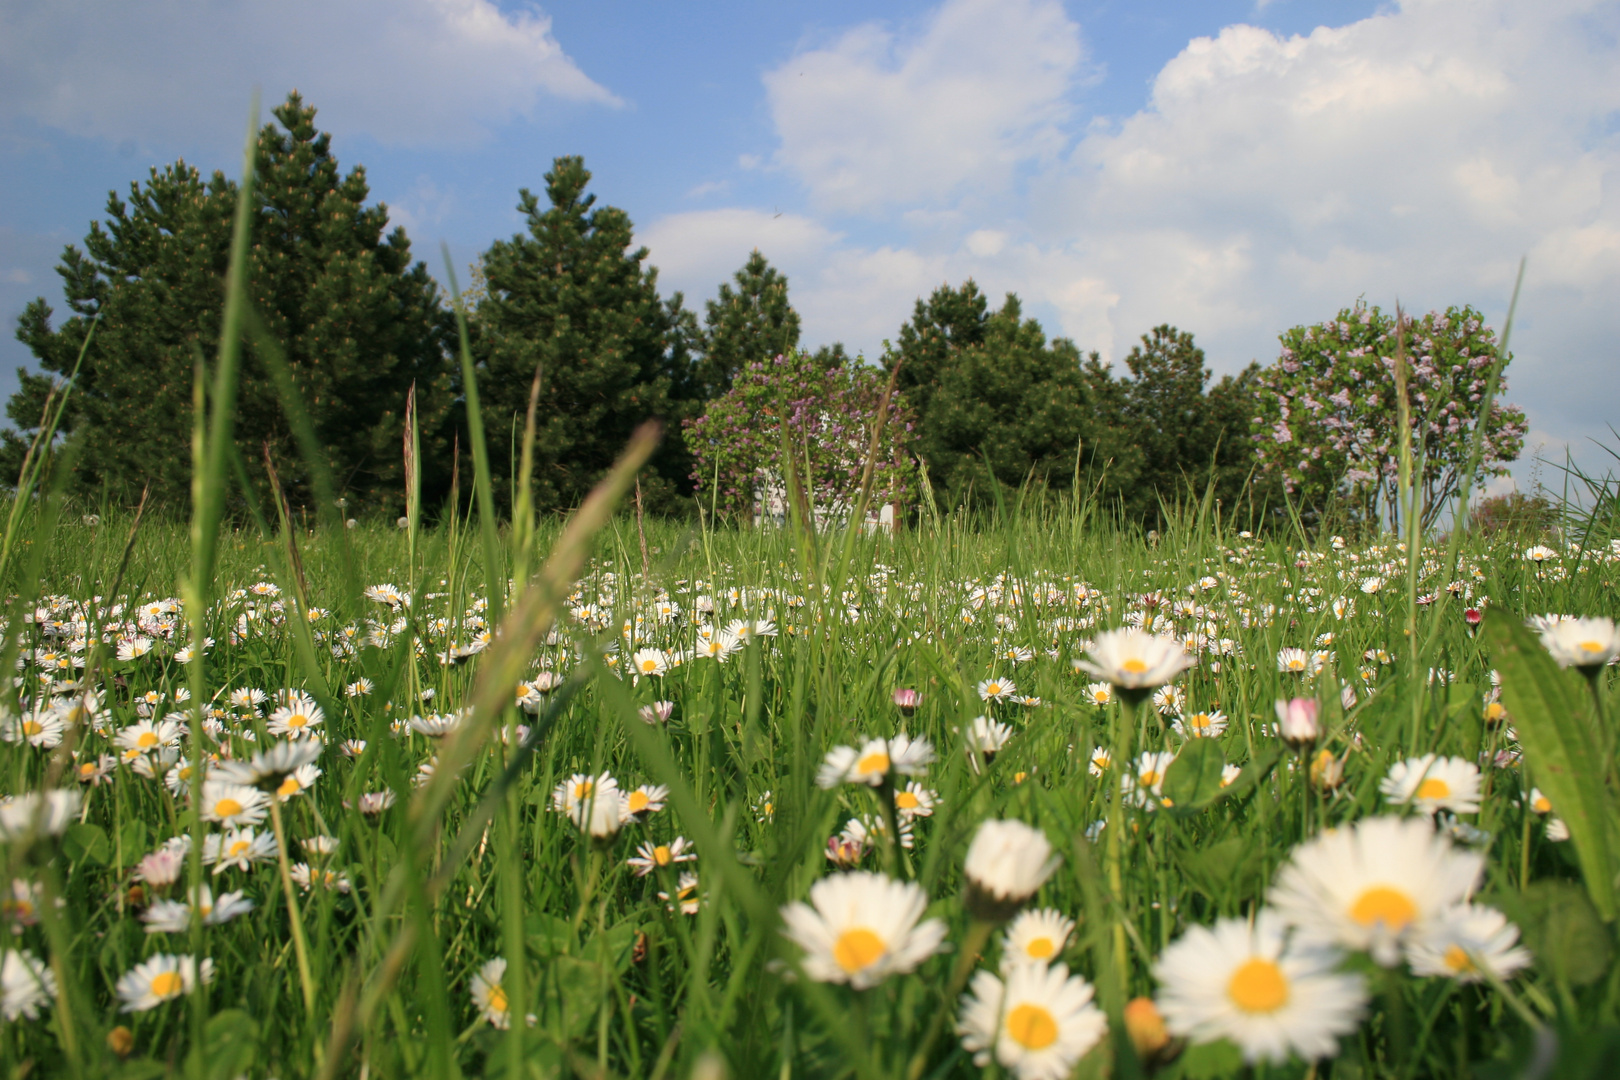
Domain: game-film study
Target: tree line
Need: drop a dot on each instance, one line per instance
(569, 312)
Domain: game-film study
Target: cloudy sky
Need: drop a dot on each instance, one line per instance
(1234, 168)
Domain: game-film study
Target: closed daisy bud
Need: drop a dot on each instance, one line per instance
(1297, 723)
(121, 1041)
(1327, 771)
(1006, 863)
(1145, 1025)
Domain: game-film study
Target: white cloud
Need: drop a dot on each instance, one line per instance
(1271, 180)
(872, 120)
(407, 72)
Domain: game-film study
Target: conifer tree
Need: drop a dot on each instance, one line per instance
(357, 321)
(745, 325)
(573, 300)
(994, 397)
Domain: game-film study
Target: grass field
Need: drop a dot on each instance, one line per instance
(1022, 795)
(446, 850)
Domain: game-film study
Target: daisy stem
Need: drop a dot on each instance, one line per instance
(1121, 751)
(300, 946)
(891, 818)
(978, 936)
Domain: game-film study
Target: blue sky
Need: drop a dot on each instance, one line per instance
(1231, 167)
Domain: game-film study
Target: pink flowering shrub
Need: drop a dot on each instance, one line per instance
(829, 410)
(1326, 412)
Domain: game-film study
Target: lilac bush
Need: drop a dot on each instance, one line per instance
(829, 411)
(1326, 412)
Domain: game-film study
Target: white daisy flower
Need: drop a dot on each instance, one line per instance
(1371, 885)
(1133, 659)
(650, 856)
(859, 928)
(490, 996)
(1037, 1024)
(1100, 761)
(644, 800)
(873, 762)
(297, 718)
(233, 804)
(1433, 784)
(1247, 983)
(1036, 936)
(240, 848)
(36, 814)
(997, 689)
(174, 916)
(1006, 863)
(1145, 786)
(650, 662)
(1293, 661)
(1587, 644)
(987, 736)
(1465, 943)
(162, 978)
(1201, 724)
(27, 985)
(1170, 700)
(915, 801)
(1099, 693)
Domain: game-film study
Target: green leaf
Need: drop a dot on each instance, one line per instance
(1193, 780)
(1211, 1061)
(1233, 865)
(84, 842)
(232, 1039)
(1562, 930)
(1553, 715)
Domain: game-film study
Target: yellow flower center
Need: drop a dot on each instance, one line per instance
(87, 769)
(1040, 948)
(661, 855)
(1590, 646)
(649, 666)
(497, 999)
(993, 689)
(1383, 904)
(1198, 720)
(638, 801)
(1258, 986)
(1458, 960)
(1434, 788)
(1032, 1026)
(582, 790)
(1150, 778)
(167, 984)
(146, 740)
(32, 727)
(1135, 666)
(1541, 805)
(297, 720)
(873, 763)
(238, 847)
(905, 800)
(289, 786)
(858, 948)
(227, 808)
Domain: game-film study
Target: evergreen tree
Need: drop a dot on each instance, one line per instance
(1183, 436)
(745, 325)
(573, 300)
(358, 323)
(994, 397)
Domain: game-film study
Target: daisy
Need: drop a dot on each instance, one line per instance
(1433, 784)
(592, 803)
(658, 712)
(233, 804)
(873, 762)
(269, 769)
(306, 878)
(1037, 936)
(174, 917)
(994, 689)
(297, 782)
(1201, 724)
(1037, 1024)
(1248, 983)
(27, 985)
(240, 848)
(1539, 802)
(1370, 885)
(161, 868)
(1170, 700)
(247, 699)
(1146, 786)
(435, 725)
(134, 648)
(1293, 661)
(915, 801)
(1586, 644)
(361, 687)
(37, 814)
(1006, 863)
(686, 894)
(986, 736)
(650, 856)
(646, 799)
(1101, 761)
(146, 736)
(296, 718)
(1133, 659)
(490, 996)
(1467, 942)
(859, 928)
(1099, 693)
(319, 846)
(1297, 721)
(863, 831)
(650, 662)
(21, 907)
(162, 978)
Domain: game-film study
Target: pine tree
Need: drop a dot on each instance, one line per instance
(573, 301)
(357, 321)
(745, 325)
(994, 398)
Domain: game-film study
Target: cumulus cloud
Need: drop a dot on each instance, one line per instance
(1269, 181)
(406, 72)
(875, 120)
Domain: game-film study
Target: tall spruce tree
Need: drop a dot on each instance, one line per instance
(745, 325)
(573, 301)
(357, 321)
(1185, 438)
(994, 397)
